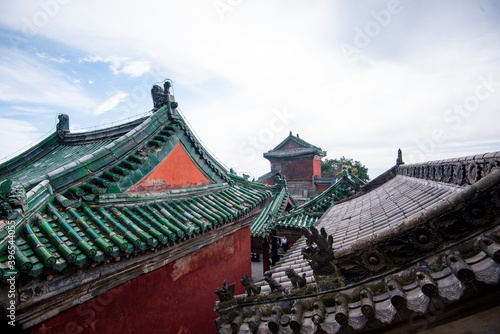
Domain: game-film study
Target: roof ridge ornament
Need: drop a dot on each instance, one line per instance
(297, 280)
(250, 287)
(62, 126)
(226, 293)
(273, 284)
(321, 258)
(161, 96)
(399, 160)
(12, 197)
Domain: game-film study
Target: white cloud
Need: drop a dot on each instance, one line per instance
(231, 73)
(19, 135)
(26, 110)
(25, 79)
(121, 65)
(44, 55)
(136, 68)
(111, 103)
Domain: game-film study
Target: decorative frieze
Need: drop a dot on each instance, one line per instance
(457, 171)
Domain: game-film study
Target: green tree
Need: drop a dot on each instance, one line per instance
(333, 167)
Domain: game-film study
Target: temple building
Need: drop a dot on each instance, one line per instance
(124, 229)
(299, 163)
(300, 198)
(284, 217)
(137, 228)
(415, 250)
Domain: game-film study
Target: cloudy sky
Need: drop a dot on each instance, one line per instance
(357, 78)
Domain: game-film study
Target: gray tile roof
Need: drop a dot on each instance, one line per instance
(385, 208)
(421, 232)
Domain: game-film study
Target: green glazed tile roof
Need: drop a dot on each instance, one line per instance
(306, 214)
(60, 155)
(78, 210)
(54, 152)
(303, 149)
(263, 224)
(98, 164)
(61, 235)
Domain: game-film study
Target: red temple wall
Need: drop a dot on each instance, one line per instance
(317, 167)
(177, 298)
(290, 145)
(270, 182)
(322, 187)
(297, 169)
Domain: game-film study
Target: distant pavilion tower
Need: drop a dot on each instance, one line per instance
(298, 161)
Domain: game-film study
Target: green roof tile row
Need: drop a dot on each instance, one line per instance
(79, 213)
(304, 215)
(62, 235)
(262, 225)
(59, 156)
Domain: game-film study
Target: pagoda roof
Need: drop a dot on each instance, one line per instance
(293, 146)
(86, 201)
(418, 232)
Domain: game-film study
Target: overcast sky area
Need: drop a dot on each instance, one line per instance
(357, 78)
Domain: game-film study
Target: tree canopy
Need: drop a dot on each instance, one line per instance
(333, 167)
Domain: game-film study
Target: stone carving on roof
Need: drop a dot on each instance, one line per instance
(250, 286)
(399, 160)
(443, 278)
(297, 281)
(161, 95)
(457, 171)
(319, 255)
(62, 126)
(11, 197)
(273, 284)
(226, 292)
